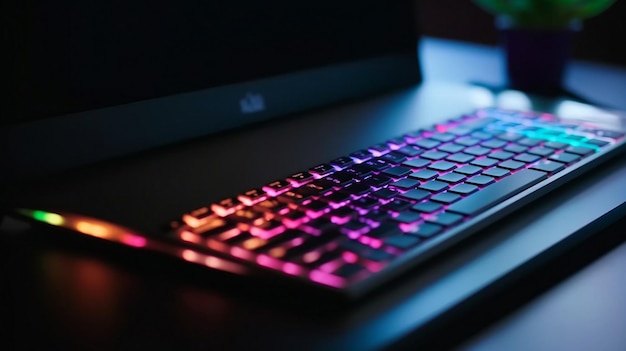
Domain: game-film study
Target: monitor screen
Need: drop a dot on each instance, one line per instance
(69, 56)
(93, 80)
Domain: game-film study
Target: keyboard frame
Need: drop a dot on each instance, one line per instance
(409, 260)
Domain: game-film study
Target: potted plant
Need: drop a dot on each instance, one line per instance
(537, 36)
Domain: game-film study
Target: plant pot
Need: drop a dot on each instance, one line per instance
(537, 59)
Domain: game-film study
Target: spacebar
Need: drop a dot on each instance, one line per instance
(498, 192)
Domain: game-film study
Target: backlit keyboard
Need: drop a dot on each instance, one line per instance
(356, 221)
(343, 222)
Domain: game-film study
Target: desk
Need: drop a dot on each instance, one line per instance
(587, 310)
(64, 295)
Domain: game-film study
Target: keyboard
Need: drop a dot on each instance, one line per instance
(355, 222)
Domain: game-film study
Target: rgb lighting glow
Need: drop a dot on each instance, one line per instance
(48, 217)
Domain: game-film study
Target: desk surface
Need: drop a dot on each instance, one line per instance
(81, 301)
(580, 313)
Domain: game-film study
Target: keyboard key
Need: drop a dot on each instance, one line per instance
(385, 194)
(565, 157)
(445, 219)
(467, 141)
(376, 216)
(451, 148)
(549, 166)
(409, 151)
(425, 174)
(416, 163)
(416, 194)
(396, 205)
(349, 270)
(340, 179)
(484, 162)
(378, 149)
(226, 206)
(377, 181)
(583, 151)
(477, 150)
(442, 166)
(276, 187)
(318, 226)
(480, 180)
(460, 158)
(526, 158)
(342, 162)
(384, 230)
(497, 172)
(406, 183)
(469, 170)
(609, 134)
(597, 142)
(451, 178)
(426, 144)
(446, 198)
(529, 142)
(337, 198)
(541, 151)
(509, 136)
(402, 241)
(464, 189)
(427, 207)
(515, 148)
(494, 144)
(434, 186)
(501, 155)
(407, 217)
(300, 178)
(396, 143)
(361, 155)
(555, 145)
(443, 137)
(365, 203)
(360, 171)
(322, 169)
(267, 229)
(394, 157)
(512, 165)
(434, 155)
(497, 192)
(426, 230)
(377, 164)
(398, 172)
(357, 189)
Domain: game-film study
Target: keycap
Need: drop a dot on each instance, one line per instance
(445, 219)
(342, 162)
(226, 206)
(446, 197)
(409, 151)
(360, 171)
(377, 181)
(405, 183)
(512, 165)
(526, 158)
(501, 155)
(464, 189)
(416, 163)
(300, 177)
(515, 148)
(480, 180)
(426, 143)
(357, 189)
(469, 170)
(529, 142)
(498, 192)
(451, 148)
(322, 169)
(497, 172)
(416, 194)
(460, 158)
(549, 166)
(541, 151)
(424, 174)
(341, 178)
(378, 149)
(277, 187)
(385, 230)
(434, 155)
(427, 207)
(377, 164)
(349, 270)
(402, 241)
(442, 166)
(443, 137)
(452, 177)
(467, 141)
(434, 186)
(398, 172)
(394, 157)
(494, 144)
(361, 155)
(407, 217)
(583, 151)
(385, 193)
(565, 157)
(484, 162)
(426, 230)
(477, 150)
(396, 205)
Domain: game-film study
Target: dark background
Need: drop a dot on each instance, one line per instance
(602, 39)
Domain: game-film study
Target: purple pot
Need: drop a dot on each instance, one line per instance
(536, 60)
